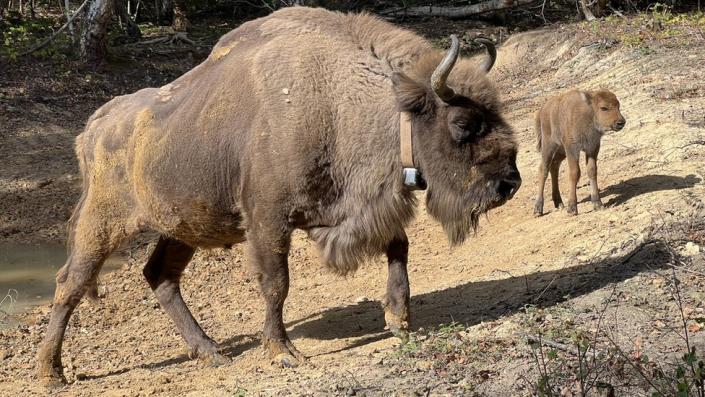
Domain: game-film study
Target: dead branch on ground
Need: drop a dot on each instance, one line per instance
(455, 12)
(171, 39)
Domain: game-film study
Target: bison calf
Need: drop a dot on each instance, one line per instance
(566, 125)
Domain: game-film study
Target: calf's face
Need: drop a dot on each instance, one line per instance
(605, 106)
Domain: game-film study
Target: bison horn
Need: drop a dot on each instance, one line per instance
(491, 54)
(440, 75)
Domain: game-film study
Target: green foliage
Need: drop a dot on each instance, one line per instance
(19, 35)
(240, 392)
(687, 378)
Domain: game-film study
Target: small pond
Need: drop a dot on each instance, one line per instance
(27, 274)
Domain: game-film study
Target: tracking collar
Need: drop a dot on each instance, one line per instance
(412, 176)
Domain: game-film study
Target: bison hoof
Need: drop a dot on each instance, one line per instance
(597, 205)
(55, 380)
(286, 360)
(398, 325)
(208, 354)
(284, 354)
(215, 360)
(538, 209)
(402, 334)
(558, 205)
(573, 209)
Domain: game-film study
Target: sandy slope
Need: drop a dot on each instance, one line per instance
(125, 345)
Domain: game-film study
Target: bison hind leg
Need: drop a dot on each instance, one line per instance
(555, 168)
(163, 273)
(94, 236)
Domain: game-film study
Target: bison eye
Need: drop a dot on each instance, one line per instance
(463, 130)
(604, 109)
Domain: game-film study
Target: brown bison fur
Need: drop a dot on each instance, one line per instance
(291, 123)
(566, 125)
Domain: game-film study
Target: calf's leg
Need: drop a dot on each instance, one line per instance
(574, 176)
(594, 190)
(163, 273)
(548, 151)
(555, 191)
(396, 302)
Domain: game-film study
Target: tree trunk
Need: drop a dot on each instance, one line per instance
(457, 12)
(586, 11)
(131, 28)
(181, 22)
(601, 8)
(165, 12)
(95, 31)
(67, 8)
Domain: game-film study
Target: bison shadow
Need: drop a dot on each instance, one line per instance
(469, 304)
(626, 190)
(479, 301)
(232, 347)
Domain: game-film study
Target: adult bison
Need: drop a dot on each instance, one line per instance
(293, 122)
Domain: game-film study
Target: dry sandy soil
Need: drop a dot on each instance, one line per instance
(519, 271)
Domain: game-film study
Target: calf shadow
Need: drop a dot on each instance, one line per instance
(479, 301)
(626, 190)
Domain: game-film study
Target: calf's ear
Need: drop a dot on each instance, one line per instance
(411, 96)
(587, 97)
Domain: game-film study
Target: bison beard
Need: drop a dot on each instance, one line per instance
(291, 123)
(452, 211)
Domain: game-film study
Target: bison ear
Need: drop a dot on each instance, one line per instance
(587, 97)
(411, 96)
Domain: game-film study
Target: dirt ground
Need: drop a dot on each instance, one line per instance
(520, 275)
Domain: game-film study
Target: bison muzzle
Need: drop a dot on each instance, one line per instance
(291, 123)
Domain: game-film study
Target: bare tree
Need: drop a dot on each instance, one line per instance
(586, 11)
(180, 22)
(67, 7)
(95, 30)
(131, 28)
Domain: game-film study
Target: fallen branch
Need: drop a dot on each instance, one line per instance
(58, 32)
(456, 12)
(547, 342)
(616, 12)
(173, 39)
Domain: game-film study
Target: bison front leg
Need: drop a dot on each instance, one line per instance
(269, 254)
(594, 190)
(396, 302)
(163, 273)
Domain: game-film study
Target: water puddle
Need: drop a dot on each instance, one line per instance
(27, 274)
